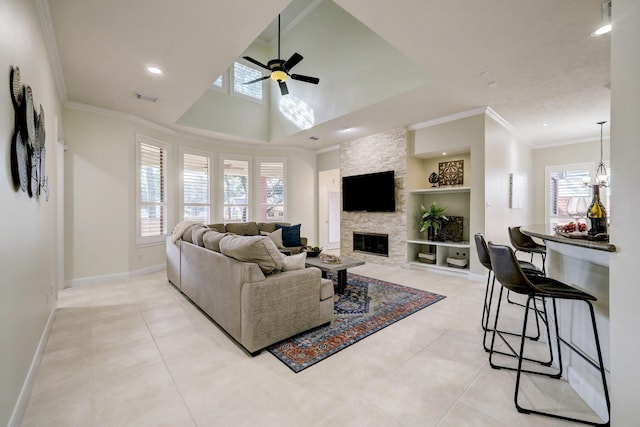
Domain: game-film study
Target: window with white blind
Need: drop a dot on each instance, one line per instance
(152, 209)
(564, 182)
(196, 173)
(244, 73)
(271, 189)
(236, 195)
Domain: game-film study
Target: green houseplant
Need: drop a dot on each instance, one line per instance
(431, 220)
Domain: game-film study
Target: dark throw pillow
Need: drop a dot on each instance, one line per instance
(290, 235)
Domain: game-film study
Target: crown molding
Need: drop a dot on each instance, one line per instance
(52, 47)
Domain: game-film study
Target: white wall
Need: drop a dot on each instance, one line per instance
(28, 225)
(100, 186)
(624, 292)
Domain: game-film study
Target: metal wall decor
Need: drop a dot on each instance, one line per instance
(28, 142)
(451, 173)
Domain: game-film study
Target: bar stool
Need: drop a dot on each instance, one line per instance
(523, 243)
(508, 272)
(485, 260)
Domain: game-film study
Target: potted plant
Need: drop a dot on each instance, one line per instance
(431, 220)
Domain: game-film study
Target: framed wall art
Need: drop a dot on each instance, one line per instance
(451, 173)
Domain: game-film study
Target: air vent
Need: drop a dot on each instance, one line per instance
(144, 97)
(314, 138)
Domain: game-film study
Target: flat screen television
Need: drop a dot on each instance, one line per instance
(373, 192)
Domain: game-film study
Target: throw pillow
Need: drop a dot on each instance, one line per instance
(188, 233)
(258, 249)
(294, 262)
(276, 236)
(290, 235)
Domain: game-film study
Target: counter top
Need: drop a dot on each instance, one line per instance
(545, 232)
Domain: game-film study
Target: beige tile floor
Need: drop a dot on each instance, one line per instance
(137, 353)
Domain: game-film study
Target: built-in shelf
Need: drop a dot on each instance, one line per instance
(441, 190)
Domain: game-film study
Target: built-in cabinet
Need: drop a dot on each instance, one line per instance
(447, 255)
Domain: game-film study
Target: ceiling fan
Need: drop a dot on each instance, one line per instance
(279, 69)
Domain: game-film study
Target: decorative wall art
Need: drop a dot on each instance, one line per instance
(28, 142)
(451, 173)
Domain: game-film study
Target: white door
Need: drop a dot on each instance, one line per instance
(329, 209)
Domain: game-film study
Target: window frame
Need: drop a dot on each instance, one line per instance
(249, 203)
(160, 238)
(258, 186)
(225, 83)
(211, 157)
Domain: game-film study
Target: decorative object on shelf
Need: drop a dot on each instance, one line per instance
(312, 251)
(602, 178)
(597, 215)
(451, 229)
(451, 173)
(431, 220)
(427, 257)
(460, 260)
(433, 179)
(28, 142)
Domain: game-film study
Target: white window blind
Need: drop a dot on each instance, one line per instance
(242, 74)
(195, 187)
(236, 190)
(153, 197)
(272, 190)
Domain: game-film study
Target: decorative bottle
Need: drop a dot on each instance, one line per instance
(597, 214)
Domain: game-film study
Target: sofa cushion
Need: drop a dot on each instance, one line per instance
(220, 228)
(294, 262)
(276, 236)
(290, 235)
(212, 240)
(188, 233)
(198, 234)
(258, 249)
(243, 228)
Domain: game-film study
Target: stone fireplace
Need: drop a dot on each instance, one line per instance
(361, 232)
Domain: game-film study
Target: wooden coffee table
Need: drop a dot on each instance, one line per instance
(340, 269)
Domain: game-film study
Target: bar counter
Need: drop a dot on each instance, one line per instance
(584, 264)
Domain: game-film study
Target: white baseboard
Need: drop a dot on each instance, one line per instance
(96, 280)
(18, 410)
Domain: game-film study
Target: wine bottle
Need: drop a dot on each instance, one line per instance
(597, 214)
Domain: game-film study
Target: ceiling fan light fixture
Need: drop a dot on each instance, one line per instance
(279, 76)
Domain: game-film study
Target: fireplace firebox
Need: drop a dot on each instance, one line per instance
(371, 243)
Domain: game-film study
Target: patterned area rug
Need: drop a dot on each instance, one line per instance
(367, 306)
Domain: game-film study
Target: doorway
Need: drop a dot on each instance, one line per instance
(329, 209)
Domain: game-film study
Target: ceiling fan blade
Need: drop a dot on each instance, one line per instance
(256, 80)
(306, 79)
(293, 61)
(258, 63)
(283, 88)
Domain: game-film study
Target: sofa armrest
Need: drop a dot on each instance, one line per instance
(279, 307)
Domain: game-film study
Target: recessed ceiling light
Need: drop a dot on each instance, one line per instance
(544, 125)
(485, 73)
(347, 129)
(492, 84)
(154, 70)
(444, 153)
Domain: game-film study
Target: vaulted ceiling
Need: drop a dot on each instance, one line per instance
(381, 64)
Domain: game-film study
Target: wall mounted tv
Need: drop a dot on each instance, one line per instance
(373, 192)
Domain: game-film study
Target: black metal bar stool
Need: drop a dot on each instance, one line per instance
(508, 272)
(485, 260)
(523, 243)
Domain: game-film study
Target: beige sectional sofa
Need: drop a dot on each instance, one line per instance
(248, 287)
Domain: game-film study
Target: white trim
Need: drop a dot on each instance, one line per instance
(52, 46)
(109, 278)
(18, 410)
(225, 83)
